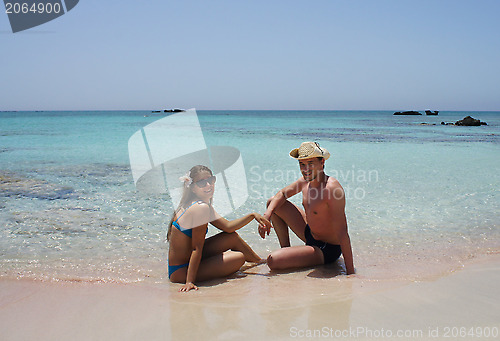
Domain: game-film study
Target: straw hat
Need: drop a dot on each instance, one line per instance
(308, 150)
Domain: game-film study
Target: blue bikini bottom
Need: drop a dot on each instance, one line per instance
(173, 268)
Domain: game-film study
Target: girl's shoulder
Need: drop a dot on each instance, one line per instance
(185, 210)
(199, 207)
(200, 203)
(200, 214)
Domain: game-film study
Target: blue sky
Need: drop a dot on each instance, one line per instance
(328, 55)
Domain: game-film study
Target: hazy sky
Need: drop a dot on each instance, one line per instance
(236, 54)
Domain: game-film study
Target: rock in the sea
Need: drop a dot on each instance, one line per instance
(174, 110)
(407, 113)
(469, 121)
(428, 112)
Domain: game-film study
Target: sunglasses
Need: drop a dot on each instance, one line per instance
(204, 182)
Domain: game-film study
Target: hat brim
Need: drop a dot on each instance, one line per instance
(294, 153)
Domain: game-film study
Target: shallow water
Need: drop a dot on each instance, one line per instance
(421, 199)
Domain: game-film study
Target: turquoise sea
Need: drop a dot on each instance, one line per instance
(421, 199)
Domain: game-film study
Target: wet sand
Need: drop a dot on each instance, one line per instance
(312, 303)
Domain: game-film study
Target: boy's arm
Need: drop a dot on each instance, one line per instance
(337, 204)
(277, 200)
(345, 246)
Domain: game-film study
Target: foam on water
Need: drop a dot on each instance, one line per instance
(420, 199)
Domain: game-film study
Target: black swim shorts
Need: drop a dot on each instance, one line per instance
(331, 252)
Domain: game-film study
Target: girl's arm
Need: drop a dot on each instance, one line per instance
(230, 226)
(197, 242)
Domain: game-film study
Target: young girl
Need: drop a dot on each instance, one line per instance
(191, 257)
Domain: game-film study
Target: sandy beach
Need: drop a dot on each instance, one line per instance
(313, 303)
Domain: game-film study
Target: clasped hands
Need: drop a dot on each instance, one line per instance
(264, 225)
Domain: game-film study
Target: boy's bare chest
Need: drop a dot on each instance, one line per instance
(314, 202)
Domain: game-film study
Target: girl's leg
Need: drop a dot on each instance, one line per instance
(223, 241)
(217, 261)
(220, 265)
(217, 266)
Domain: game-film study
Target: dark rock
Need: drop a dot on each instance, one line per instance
(469, 121)
(174, 110)
(428, 112)
(407, 113)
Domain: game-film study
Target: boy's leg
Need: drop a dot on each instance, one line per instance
(285, 216)
(295, 257)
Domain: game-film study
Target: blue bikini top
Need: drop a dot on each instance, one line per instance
(187, 232)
